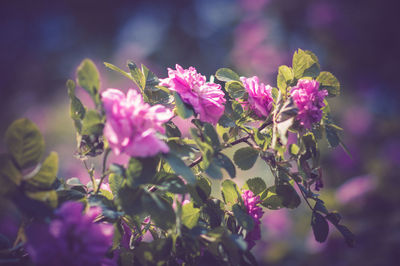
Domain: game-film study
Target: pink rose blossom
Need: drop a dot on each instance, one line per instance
(309, 100)
(251, 203)
(206, 98)
(260, 97)
(132, 124)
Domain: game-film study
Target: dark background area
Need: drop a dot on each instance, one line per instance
(42, 42)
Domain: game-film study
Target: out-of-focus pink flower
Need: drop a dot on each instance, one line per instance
(357, 120)
(355, 188)
(309, 100)
(72, 238)
(260, 97)
(132, 124)
(251, 203)
(277, 223)
(206, 98)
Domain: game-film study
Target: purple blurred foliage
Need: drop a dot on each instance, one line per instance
(72, 238)
(355, 188)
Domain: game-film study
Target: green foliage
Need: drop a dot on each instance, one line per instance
(280, 196)
(285, 78)
(245, 158)
(305, 64)
(256, 185)
(243, 218)
(47, 174)
(89, 79)
(180, 167)
(319, 226)
(25, 143)
(226, 75)
(190, 215)
(329, 82)
(206, 228)
(235, 89)
(230, 192)
(181, 108)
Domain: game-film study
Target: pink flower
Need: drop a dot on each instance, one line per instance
(251, 203)
(309, 100)
(207, 99)
(132, 124)
(260, 97)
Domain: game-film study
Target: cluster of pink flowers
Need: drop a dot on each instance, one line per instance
(132, 124)
(206, 98)
(309, 99)
(251, 203)
(260, 98)
(72, 238)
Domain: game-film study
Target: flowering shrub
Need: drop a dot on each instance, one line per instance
(164, 191)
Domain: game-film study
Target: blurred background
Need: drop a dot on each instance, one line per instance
(42, 43)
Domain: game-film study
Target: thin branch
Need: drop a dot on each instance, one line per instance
(104, 173)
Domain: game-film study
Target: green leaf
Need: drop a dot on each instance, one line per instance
(256, 185)
(210, 132)
(151, 80)
(137, 75)
(294, 149)
(89, 79)
(69, 195)
(280, 196)
(173, 184)
(329, 82)
(305, 64)
(333, 217)
(92, 124)
(25, 143)
(116, 181)
(230, 192)
(10, 176)
(156, 252)
(106, 204)
(48, 196)
(190, 215)
(141, 171)
(201, 191)
(245, 158)
(235, 89)
(77, 110)
(214, 171)
(320, 206)
(180, 168)
(206, 149)
(331, 136)
(47, 174)
(226, 74)
(226, 122)
(319, 226)
(285, 77)
(130, 201)
(117, 69)
(347, 234)
(160, 210)
(225, 162)
(181, 108)
(172, 130)
(243, 218)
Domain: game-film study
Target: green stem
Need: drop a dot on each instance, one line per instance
(104, 172)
